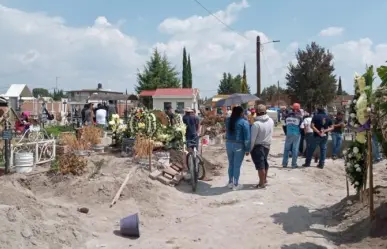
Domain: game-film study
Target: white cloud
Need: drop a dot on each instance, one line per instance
(35, 48)
(331, 31)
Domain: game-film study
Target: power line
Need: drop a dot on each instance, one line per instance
(233, 30)
(219, 20)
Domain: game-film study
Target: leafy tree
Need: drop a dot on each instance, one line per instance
(57, 95)
(270, 92)
(42, 92)
(340, 87)
(185, 76)
(311, 80)
(226, 85)
(157, 73)
(189, 72)
(244, 86)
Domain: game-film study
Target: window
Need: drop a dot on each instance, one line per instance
(180, 106)
(167, 104)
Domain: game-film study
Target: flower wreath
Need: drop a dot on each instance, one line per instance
(355, 156)
(142, 121)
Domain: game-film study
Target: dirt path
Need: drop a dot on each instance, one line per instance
(279, 217)
(292, 213)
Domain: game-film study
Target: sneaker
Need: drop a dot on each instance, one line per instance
(237, 187)
(334, 157)
(295, 167)
(230, 185)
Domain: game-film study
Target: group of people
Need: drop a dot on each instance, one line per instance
(248, 137)
(300, 126)
(97, 115)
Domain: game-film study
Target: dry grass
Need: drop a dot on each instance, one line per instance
(92, 134)
(72, 164)
(143, 147)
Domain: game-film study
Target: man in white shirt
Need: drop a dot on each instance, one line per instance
(308, 131)
(100, 116)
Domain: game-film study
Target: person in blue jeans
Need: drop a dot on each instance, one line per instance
(337, 134)
(375, 149)
(321, 125)
(237, 145)
(292, 142)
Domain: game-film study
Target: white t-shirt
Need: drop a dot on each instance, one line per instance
(100, 116)
(307, 123)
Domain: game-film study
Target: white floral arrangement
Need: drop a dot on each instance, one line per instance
(355, 156)
(141, 121)
(355, 164)
(117, 124)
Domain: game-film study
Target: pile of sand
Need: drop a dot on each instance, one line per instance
(27, 222)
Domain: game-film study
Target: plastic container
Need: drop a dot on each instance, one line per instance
(206, 140)
(129, 226)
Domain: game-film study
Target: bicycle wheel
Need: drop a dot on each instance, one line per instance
(192, 170)
(201, 168)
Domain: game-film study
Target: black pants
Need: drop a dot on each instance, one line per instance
(259, 156)
(301, 147)
(308, 140)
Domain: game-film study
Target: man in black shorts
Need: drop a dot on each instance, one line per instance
(261, 136)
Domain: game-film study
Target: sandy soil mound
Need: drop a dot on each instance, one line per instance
(27, 222)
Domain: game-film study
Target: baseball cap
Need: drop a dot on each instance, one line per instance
(261, 108)
(296, 106)
(187, 109)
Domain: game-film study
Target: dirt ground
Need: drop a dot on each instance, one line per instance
(301, 208)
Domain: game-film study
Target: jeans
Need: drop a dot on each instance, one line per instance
(375, 148)
(292, 143)
(235, 155)
(337, 140)
(190, 140)
(322, 143)
(308, 140)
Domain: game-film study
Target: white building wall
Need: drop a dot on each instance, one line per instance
(158, 102)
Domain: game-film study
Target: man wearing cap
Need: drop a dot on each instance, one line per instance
(192, 124)
(292, 142)
(261, 136)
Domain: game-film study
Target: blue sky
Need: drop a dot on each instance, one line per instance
(293, 22)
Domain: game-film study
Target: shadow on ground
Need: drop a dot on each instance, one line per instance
(206, 189)
(306, 245)
(350, 215)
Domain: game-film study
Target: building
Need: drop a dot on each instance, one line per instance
(178, 98)
(81, 96)
(17, 94)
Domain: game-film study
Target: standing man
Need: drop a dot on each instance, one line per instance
(192, 125)
(101, 116)
(292, 142)
(171, 115)
(308, 131)
(321, 126)
(337, 134)
(261, 136)
(88, 115)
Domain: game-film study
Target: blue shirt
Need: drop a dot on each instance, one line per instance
(321, 121)
(191, 122)
(293, 123)
(241, 133)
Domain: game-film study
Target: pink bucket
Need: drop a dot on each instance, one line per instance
(206, 140)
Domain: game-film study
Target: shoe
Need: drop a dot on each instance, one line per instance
(284, 166)
(230, 185)
(320, 166)
(304, 165)
(334, 157)
(295, 167)
(237, 187)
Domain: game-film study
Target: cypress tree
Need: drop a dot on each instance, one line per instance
(189, 72)
(185, 70)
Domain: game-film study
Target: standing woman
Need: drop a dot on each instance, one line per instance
(237, 145)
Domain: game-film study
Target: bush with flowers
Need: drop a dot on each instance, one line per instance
(359, 121)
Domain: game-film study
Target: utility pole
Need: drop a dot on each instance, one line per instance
(278, 94)
(259, 48)
(258, 66)
(56, 83)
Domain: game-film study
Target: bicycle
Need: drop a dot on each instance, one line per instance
(195, 164)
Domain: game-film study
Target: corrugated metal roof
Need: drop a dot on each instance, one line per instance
(18, 90)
